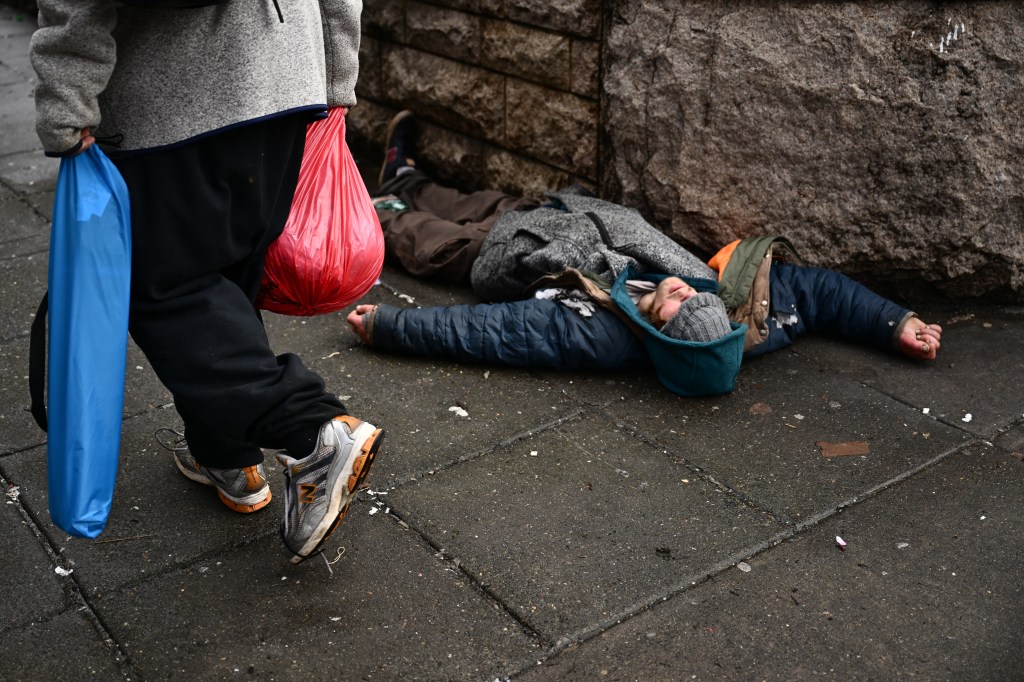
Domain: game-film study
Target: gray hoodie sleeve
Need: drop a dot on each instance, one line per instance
(341, 49)
(73, 54)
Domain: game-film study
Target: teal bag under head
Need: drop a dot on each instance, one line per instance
(89, 283)
(688, 368)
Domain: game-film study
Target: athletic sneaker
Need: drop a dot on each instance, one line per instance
(243, 490)
(319, 488)
(399, 146)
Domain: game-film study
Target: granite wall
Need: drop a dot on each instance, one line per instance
(884, 138)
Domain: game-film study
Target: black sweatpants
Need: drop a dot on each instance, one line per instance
(203, 215)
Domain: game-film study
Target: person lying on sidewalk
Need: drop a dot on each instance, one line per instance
(580, 283)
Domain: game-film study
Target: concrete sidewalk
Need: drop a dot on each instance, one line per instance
(572, 526)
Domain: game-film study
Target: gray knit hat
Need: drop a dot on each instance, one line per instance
(702, 317)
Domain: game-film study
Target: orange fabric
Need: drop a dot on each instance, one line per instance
(721, 259)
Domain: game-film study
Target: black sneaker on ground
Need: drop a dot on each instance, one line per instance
(399, 145)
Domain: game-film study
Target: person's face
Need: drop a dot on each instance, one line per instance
(663, 303)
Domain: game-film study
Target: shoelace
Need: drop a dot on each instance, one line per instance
(179, 443)
(288, 494)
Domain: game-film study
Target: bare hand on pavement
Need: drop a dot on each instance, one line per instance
(919, 340)
(357, 320)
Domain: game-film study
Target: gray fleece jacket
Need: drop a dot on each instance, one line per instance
(158, 77)
(581, 233)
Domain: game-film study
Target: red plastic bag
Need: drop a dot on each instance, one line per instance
(332, 249)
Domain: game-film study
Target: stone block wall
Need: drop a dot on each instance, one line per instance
(884, 138)
(506, 91)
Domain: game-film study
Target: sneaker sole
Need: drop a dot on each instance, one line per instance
(398, 118)
(342, 495)
(242, 505)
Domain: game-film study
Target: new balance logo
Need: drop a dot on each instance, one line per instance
(307, 493)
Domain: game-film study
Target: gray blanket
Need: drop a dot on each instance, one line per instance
(589, 234)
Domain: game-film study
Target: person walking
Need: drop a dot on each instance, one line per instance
(203, 108)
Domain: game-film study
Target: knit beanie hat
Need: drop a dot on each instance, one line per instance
(702, 317)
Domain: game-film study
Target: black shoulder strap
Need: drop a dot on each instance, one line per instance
(37, 363)
(599, 224)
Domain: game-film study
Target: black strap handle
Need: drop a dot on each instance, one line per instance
(599, 224)
(37, 363)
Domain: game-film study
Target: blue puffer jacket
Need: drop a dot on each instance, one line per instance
(546, 333)
(528, 333)
(778, 300)
(807, 300)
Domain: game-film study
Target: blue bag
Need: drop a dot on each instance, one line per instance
(89, 283)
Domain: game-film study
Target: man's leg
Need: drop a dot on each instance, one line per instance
(420, 192)
(203, 216)
(428, 246)
(441, 233)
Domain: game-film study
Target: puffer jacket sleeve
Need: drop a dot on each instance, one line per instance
(341, 49)
(73, 54)
(831, 303)
(528, 333)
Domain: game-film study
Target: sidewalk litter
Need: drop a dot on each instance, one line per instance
(844, 449)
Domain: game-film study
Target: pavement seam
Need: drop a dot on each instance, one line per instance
(20, 196)
(189, 564)
(958, 425)
(206, 556)
(31, 446)
(701, 473)
(1016, 423)
(439, 552)
(479, 586)
(40, 251)
(74, 592)
(21, 448)
(487, 450)
(693, 580)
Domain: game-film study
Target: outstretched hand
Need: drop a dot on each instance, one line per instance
(919, 340)
(357, 320)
